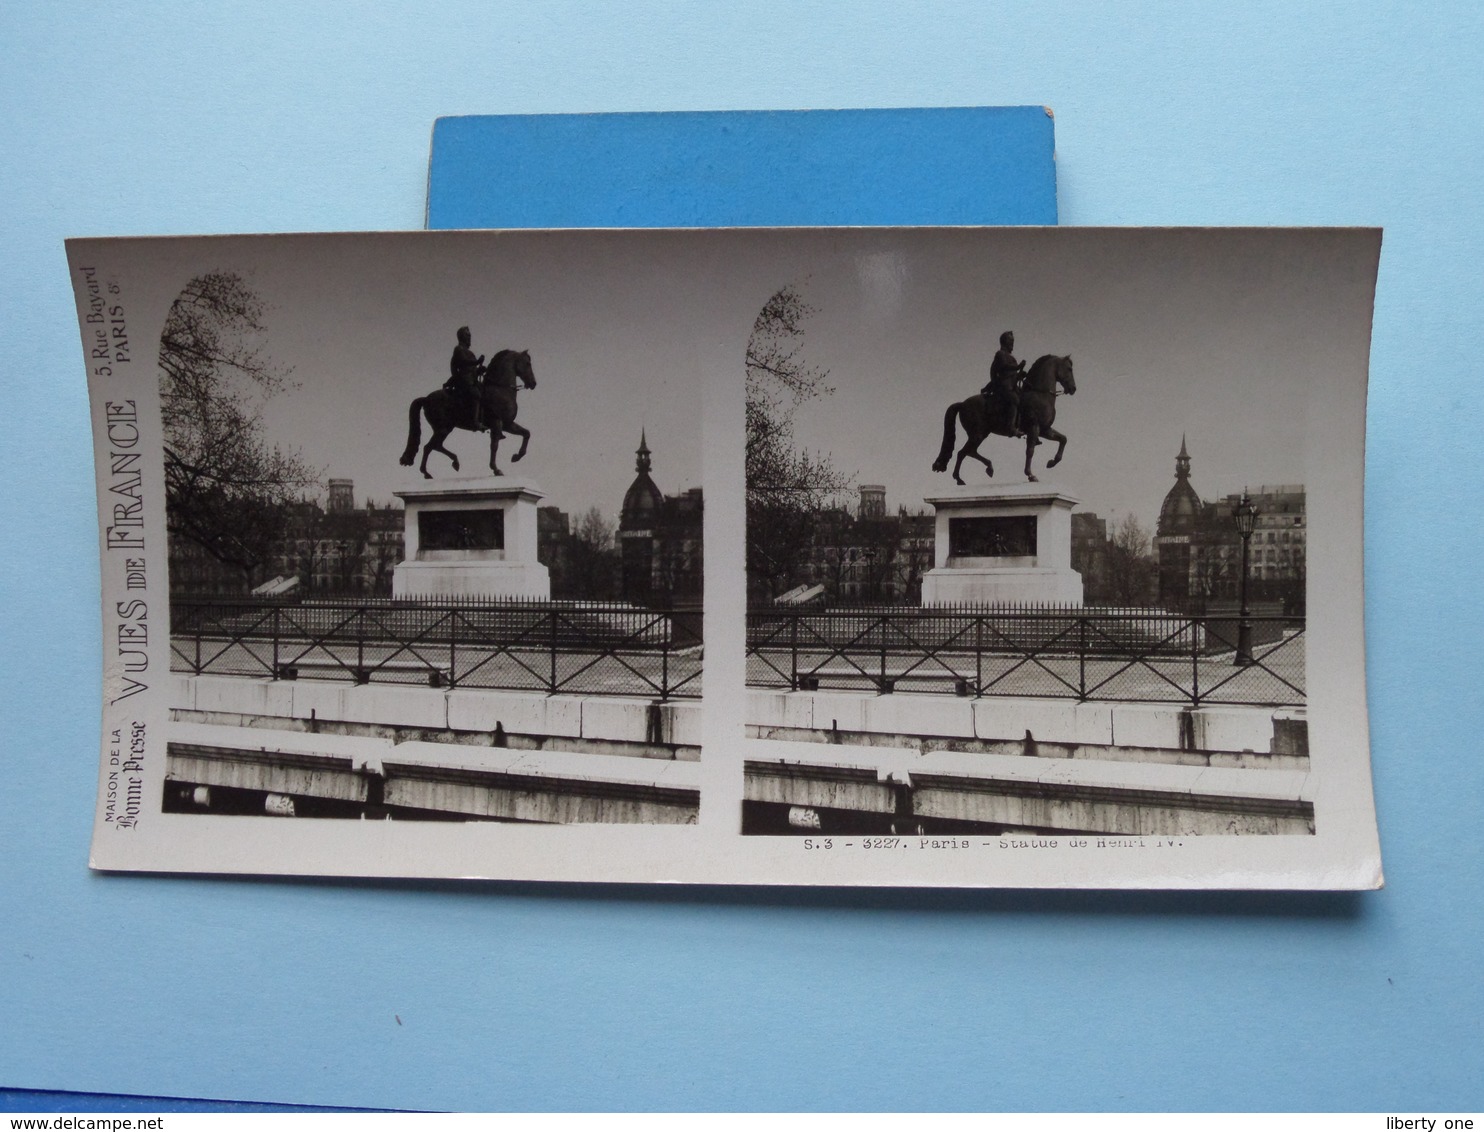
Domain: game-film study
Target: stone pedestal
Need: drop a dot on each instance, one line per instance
(1002, 544)
(471, 537)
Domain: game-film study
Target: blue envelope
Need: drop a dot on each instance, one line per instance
(764, 168)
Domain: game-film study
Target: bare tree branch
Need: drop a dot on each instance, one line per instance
(1130, 568)
(227, 488)
(787, 487)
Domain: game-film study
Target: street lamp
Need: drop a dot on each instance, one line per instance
(1245, 515)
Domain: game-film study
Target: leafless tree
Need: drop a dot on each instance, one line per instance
(787, 487)
(592, 559)
(595, 531)
(1130, 567)
(226, 487)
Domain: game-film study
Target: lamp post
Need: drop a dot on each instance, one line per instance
(1245, 515)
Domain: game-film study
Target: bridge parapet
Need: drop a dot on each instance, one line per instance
(947, 722)
(598, 724)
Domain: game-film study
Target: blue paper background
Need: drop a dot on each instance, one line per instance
(955, 165)
(273, 116)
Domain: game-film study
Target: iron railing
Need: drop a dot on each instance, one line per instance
(1080, 653)
(589, 648)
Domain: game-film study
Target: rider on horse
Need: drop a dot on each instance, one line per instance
(464, 371)
(1005, 375)
(507, 371)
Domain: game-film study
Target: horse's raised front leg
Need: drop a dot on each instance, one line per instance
(1061, 445)
(525, 439)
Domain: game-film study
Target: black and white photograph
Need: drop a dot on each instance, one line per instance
(433, 537)
(1027, 537)
(995, 545)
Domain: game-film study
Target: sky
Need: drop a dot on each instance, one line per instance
(1215, 338)
(1229, 338)
(368, 325)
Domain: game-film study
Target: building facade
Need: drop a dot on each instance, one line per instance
(654, 556)
(335, 548)
(1090, 553)
(870, 556)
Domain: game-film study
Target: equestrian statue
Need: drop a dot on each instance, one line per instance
(1016, 402)
(468, 402)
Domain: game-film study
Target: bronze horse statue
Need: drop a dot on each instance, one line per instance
(1037, 410)
(507, 372)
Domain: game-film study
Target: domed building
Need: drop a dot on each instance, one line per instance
(660, 540)
(1179, 515)
(643, 501)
